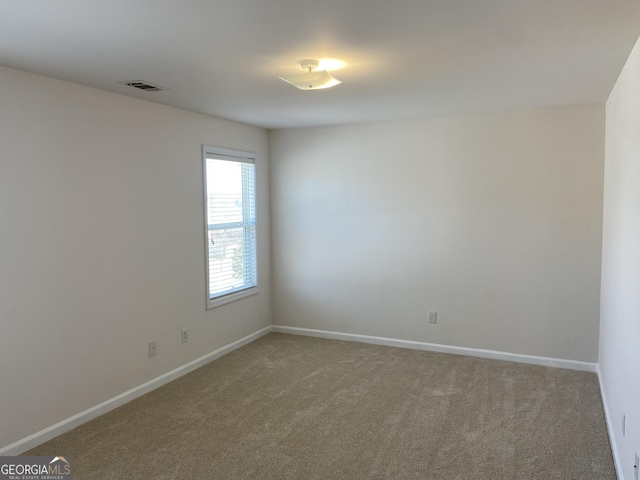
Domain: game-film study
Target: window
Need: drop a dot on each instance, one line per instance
(230, 217)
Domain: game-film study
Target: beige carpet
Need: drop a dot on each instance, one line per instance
(290, 407)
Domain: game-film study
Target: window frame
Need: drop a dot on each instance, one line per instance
(220, 153)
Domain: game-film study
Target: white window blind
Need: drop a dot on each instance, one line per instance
(231, 224)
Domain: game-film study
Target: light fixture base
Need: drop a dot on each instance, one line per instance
(309, 64)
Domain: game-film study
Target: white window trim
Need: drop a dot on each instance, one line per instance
(219, 152)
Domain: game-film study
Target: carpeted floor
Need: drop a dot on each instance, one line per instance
(291, 407)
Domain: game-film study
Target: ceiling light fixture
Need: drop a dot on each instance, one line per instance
(311, 80)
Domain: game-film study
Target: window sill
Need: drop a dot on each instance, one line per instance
(232, 297)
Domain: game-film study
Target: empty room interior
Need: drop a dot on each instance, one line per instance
(344, 239)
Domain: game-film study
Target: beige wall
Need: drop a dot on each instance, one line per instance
(620, 311)
(102, 246)
(494, 221)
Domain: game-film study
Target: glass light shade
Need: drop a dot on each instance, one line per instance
(311, 80)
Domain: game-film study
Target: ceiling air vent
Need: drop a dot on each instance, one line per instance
(145, 86)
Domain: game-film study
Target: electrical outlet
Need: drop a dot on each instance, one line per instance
(636, 466)
(184, 335)
(433, 317)
(153, 348)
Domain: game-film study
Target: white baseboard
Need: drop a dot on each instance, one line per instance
(434, 347)
(612, 439)
(70, 423)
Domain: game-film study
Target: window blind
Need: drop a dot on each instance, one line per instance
(231, 225)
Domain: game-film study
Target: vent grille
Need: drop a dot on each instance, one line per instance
(144, 86)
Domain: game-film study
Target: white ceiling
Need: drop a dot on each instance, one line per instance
(405, 58)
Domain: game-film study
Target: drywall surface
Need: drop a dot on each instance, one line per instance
(493, 221)
(102, 246)
(620, 301)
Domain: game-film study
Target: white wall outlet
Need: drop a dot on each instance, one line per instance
(184, 335)
(433, 317)
(624, 425)
(153, 348)
(636, 466)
